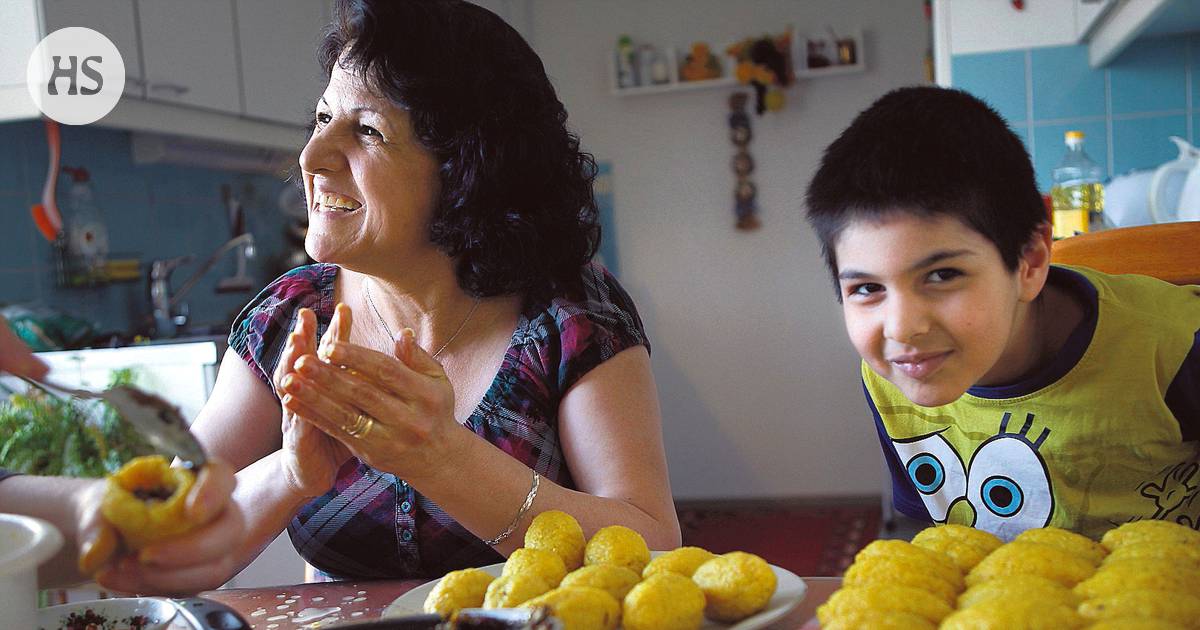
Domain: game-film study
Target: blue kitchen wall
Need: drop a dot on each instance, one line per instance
(151, 211)
(1127, 110)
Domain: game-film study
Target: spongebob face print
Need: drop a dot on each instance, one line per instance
(1006, 484)
(935, 470)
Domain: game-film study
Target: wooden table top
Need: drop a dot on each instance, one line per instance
(291, 607)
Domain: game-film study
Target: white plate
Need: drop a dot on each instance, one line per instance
(159, 613)
(789, 591)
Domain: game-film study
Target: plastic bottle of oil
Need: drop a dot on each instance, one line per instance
(1077, 195)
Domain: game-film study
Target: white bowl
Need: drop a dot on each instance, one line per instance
(25, 543)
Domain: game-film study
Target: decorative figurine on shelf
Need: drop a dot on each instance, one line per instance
(652, 66)
(744, 191)
(700, 64)
(765, 63)
(626, 69)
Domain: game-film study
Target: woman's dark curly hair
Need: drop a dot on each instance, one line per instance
(517, 210)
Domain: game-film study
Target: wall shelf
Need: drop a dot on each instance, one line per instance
(799, 57)
(681, 86)
(829, 71)
(674, 61)
(856, 54)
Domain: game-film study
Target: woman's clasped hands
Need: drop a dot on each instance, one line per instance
(395, 413)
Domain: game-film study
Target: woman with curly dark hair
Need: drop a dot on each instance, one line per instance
(492, 371)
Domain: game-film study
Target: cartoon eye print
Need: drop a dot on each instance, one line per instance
(935, 470)
(1008, 483)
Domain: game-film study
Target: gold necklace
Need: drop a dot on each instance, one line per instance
(386, 329)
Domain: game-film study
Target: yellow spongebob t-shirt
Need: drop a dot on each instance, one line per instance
(1107, 433)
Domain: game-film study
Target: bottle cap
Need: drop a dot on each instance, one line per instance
(1073, 135)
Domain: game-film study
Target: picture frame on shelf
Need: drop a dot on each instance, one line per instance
(828, 52)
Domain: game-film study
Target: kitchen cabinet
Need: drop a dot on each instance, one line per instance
(237, 71)
(190, 52)
(115, 19)
(979, 26)
(963, 27)
(281, 83)
(1107, 27)
(1089, 14)
(1129, 20)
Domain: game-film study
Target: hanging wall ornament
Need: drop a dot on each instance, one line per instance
(744, 191)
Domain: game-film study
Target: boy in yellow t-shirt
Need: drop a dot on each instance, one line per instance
(1008, 393)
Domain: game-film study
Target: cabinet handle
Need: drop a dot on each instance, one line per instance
(136, 81)
(177, 90)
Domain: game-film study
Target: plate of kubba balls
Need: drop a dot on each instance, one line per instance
(1142, 574)
(614, 581)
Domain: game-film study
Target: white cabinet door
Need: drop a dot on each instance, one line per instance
(977, 26)
(281, 80)
(190, 53)
(20, 27)
(115, 19)
(1087, 13)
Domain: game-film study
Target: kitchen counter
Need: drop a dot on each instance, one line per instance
(328, 604)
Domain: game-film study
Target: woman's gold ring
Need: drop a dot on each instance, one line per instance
(361, 427)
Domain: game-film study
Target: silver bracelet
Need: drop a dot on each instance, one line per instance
(512, 527)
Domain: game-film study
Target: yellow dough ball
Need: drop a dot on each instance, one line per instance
(619, 545)
(465, 588)
(1181, 555)
(544, 564)
(966, 546)
(664, 601)
(736, 585)
(684, 561)
(935, 562)
(559, 532)
(1180, 608)
(1019, 587)
(1138, 574)
(616, 581)
(510, 591)
(1025, 558)
(580, 608)
(145, 501)
(1149, 531)
(1135, 623)
(1077, 544)
(883, 597)
(877, 569)
(877, 620)
(964, 533)
(1000, 614)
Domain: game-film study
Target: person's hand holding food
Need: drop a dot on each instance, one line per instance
(154, 529)
(396, 413)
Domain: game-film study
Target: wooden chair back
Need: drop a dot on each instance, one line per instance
(1168, 251)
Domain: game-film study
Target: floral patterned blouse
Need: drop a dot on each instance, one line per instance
(372, 524)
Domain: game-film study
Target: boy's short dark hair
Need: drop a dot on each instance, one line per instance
(928, 151)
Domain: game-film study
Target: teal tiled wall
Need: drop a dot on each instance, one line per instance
(151, 212)
(1127, 110)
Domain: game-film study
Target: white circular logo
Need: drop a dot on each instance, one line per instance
(75, 75)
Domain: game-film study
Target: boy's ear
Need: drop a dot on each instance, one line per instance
(1034, 265)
